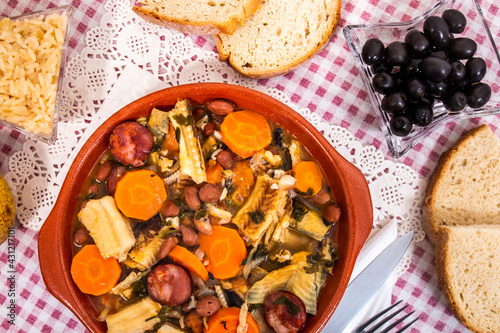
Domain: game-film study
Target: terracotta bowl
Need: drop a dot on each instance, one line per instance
(348, 185)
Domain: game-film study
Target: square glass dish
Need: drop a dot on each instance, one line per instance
(476, 29)
(33, 51)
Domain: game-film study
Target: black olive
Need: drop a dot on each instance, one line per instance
(455, 20)
(435, 69)
(436, 89)
(457, 72)
(400, 125)
(373, 51)
(455, 101)
(417, 44)
(437, 31)
(475, 69)
(396, 54)
(421, 114)
(383, 82)
(478, 95)
(412, 69)
(382, 66)
(415, 88)
(462, 48)
(439, 53)
(394, 102)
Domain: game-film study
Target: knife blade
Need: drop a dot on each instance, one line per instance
(367, 283)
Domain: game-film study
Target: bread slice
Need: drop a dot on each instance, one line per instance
(465, 187)
(468, 269)
(279, 36)
(202, 17)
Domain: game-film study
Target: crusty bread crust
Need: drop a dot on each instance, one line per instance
(285, 66)
(480, 274)
(438, 181)
(197, 26)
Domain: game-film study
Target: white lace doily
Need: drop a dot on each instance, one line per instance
(125, 43)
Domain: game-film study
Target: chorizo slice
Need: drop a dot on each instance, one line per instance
(285, 312)
(169, 284)
(130, 143)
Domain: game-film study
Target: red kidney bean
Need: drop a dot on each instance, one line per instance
(321, 198)
(189, 235)
(93, 189)
(170, 209)
(331, 212)
(225, 159)
(209, 193)
(130, 143)
(198, 113)
(194, 321)
(209, 128)
(169, 285)
(202, 222)
(192, 198)
(280, 317)
(220, 107)
(116, 174)
(166, 246)
(81, 236)
(208, 305)
(104, 171)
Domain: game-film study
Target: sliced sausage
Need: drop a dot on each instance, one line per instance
(208, 305)
(331, 212)
(220, 107)
(210, 193)
(81, 236)
(191, 197)
(225, 159)
(104, 171)
(189, 235)
(169, 285)
(116, 174)
(170, 208)
(285, 312)
(166, 246)
(130, 143)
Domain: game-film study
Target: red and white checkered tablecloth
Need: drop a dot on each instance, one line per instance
(328, 85)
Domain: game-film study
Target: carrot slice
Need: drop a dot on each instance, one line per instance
(92, 273)
(140, 194)
(225, 250)
(243, 181)
(245, 132)
(188, 260)
(309, 178)
(214, 172)
(227, 320)
(170, 141)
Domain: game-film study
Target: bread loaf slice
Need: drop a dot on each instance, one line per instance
(202, 17)
(465, 187)
(468, 269)
(279, 36)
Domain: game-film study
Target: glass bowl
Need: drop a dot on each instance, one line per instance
(20, 110)
(477, 29)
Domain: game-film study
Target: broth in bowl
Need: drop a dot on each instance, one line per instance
(204, 218)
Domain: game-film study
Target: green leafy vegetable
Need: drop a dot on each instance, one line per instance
(257, 216)
(291, 307)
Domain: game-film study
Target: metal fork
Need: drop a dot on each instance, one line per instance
(383, 321)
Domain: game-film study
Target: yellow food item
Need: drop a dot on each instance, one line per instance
(7, 210)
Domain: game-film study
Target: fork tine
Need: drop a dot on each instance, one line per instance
(374, 318)
(407, 325)
(385, 320)
(396, 323)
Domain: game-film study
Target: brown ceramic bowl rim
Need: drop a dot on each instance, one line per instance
(348, 185)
